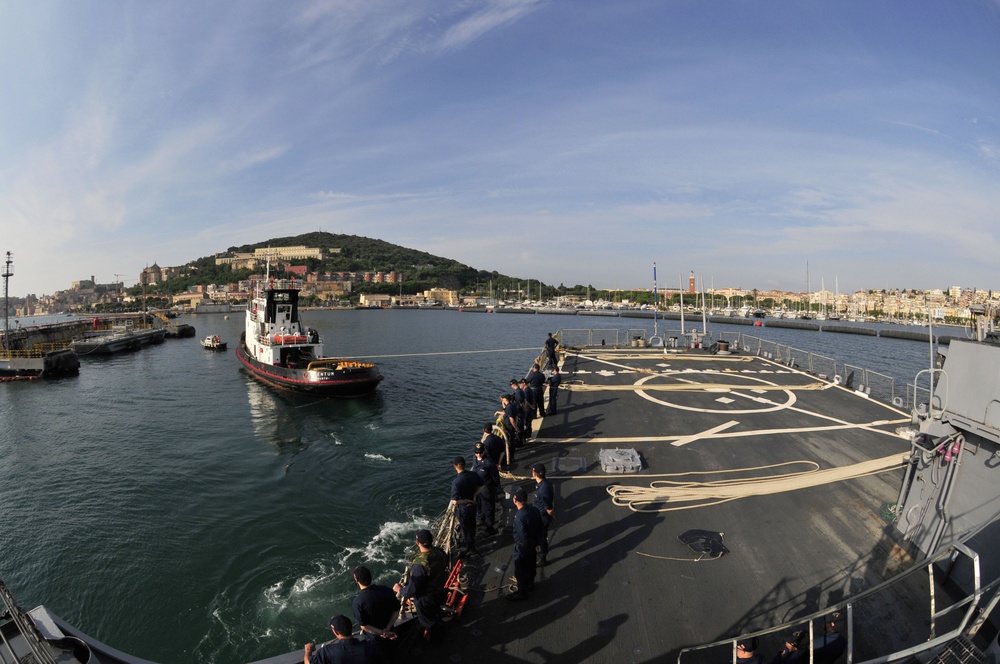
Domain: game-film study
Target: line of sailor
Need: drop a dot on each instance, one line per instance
(474, 493)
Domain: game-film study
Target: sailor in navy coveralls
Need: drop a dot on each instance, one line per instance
(464, 488)
(527, 531)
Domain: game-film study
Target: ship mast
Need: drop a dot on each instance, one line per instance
(7, 273)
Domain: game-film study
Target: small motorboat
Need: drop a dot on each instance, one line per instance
(213, 342)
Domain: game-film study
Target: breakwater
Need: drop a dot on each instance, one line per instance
(874, 330)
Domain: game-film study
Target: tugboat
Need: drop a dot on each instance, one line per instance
(276, 349)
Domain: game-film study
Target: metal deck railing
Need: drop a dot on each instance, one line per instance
(871, 383)
(949, 632)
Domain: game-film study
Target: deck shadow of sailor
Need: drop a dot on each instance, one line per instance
(582, 501)
(607, 629)
(584, 426)
(592, 554)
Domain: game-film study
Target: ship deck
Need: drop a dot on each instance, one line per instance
(620, 586)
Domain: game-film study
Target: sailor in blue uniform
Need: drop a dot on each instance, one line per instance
(425, 585)
(553, 382)
(550, 351)
(345, 649)
(508, 416)
(746, 652)
(486, 500)
(528, 405)
(527, 531)
(545, 500)
(495, 447)
(536, 381)
(829, 646)
(519, 412)
(796, 649)
(464, 488)
(375, 608)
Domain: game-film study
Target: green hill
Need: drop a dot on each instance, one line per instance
(421, 270)
(359, 254)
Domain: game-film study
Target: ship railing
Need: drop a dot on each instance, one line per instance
(933, 398)
(959, 620)
(590, 337)
(20, 354)
(917, 396)
(814, 363)
(618, 338)
(866, 381)
(872, 383)
(278, 284)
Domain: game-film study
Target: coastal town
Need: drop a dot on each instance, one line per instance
(354, 288)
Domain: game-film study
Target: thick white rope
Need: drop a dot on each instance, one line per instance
(687, 494)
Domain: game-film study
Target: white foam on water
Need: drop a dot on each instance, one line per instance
(385, 545)
(275, 596)
(377, 457)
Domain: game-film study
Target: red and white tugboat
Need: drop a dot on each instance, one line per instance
(278, 350)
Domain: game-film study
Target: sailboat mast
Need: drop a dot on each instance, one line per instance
(655, 302)
(704, 316)
(680, 278)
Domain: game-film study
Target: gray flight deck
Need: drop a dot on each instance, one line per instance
(621, 587)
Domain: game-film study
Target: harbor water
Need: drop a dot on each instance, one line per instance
(169, 505)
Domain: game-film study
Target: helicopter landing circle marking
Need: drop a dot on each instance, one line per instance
(770, 406)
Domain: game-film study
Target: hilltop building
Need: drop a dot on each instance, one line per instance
(238, 261)
(154, 274)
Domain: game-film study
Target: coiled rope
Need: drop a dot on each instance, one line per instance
(693, 494)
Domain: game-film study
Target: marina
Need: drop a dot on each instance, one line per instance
(267, 591)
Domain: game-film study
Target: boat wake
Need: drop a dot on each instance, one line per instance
(389, 545)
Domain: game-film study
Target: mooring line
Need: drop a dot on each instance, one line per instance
(447, 352)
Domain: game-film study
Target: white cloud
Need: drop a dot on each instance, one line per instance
(488, 16)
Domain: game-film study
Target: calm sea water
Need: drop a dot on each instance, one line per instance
(169, 505)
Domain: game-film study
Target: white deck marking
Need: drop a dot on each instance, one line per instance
(725, 411)
(704, 434)
(617, 440)
(762, 386)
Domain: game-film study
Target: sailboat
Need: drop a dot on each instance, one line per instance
(836, 300)
(807, 314)
(822, 311)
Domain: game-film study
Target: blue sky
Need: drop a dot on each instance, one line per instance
(572, 141)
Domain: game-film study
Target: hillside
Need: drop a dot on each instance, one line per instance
(358, 254)
(421, 270)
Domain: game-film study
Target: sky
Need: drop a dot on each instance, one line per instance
(778, 144)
